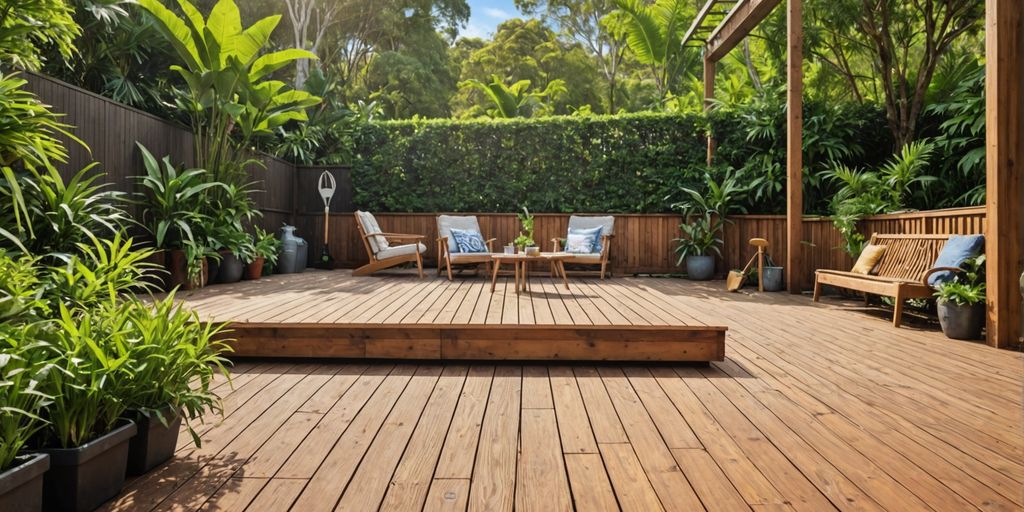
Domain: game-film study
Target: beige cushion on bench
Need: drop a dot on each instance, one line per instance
(400, 250)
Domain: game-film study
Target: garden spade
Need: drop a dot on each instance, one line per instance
(326, 185)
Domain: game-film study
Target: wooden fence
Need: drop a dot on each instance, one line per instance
(643, 243)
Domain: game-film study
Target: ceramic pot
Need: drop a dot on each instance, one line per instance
(961, 322)
(700, 268)
(254, 270)
(231, 268)
(21, 487)
(82, 478)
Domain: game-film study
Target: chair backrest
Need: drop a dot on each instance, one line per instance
(445, 224)
(908, 256)
(368, 226)
(606, 222)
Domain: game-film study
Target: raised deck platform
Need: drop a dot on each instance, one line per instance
(333, 314)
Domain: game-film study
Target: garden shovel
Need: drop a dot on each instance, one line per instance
(326, 185)
(734, 281)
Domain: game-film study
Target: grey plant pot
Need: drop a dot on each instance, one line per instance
(961, 322)
(21, 487)
(230, 268)
(700, 268)
(772, 279)
(154, 443)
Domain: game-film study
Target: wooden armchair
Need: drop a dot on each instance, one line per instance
(607, 225)
(380, 250)
(447, 252)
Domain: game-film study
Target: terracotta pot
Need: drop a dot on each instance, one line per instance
(177, 271)
(254, 270)
(201, 280)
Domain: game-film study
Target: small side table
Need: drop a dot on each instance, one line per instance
(521, 266)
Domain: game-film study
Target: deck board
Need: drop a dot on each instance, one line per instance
(816, 407)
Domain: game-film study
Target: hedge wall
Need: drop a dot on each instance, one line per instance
(623, 163)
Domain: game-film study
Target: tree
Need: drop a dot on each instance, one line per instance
(28, 26)
(310, 20)
(654, 33)
(581, 21)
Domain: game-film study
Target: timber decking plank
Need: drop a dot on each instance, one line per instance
(494, 472)
(541, 482)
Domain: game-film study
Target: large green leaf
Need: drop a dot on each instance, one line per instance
(271, 62)
(175, 31)
(224, 21)
(642, 31)
(247, 44)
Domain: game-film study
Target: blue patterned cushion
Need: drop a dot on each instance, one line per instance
(953, 254)
(467, 240)
(594, 233)
(579, 243)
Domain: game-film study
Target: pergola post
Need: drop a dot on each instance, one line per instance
(709, 94)
(794, 144)
(1004, 160)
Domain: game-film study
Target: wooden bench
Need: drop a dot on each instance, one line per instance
(901, 274)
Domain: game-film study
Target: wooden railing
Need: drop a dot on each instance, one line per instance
(643, 242)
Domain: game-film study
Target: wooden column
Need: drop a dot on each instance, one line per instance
(1004, 159)
(794, 144)
(709, 94)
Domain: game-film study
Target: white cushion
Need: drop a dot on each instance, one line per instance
(445, 223)
(586, 258)
(401, 250)
(606, 222)
(370, 226)
(579, 244)
(455, 256)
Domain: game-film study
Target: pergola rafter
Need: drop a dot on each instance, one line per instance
(1004, 97)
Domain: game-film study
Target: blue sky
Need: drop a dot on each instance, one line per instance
(485, 15)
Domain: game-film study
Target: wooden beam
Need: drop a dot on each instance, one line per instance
(794, 143)
(709, 94)
(698, 22)
(740, 21)
(1004, 159)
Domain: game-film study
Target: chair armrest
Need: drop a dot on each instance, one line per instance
(557, 244)
(400, 236)
(606, 243)
(924, 280)
(490, 244)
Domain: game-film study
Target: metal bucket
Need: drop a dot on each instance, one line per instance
(772, 279)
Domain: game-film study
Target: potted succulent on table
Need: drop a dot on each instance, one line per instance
(698, 245)
(525, 241)
(179, 356)
(92, 360)
(961, 301)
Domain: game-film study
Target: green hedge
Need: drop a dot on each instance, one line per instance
(623, 163)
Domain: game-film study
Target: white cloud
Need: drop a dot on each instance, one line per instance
(497, 13)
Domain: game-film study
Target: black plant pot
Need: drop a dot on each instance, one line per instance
(961, 322)
(700, 268)
(82, 478)
(213, 272)
(155, 442)
(231, 269)
(21, 487)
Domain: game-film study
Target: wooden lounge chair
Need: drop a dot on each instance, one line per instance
(607, 224)
(447, 251)
(381, 252)
(902, 273)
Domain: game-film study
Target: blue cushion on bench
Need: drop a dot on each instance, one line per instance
(958, 249)
(468, 241)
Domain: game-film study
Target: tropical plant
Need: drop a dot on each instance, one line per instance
(21, 399)
(699, 236)
(266, 246)
(229, 100)
(516, 100)
(196, 254)
(28, 26)
(653, 33)
(176, 358)
(99, 271)
(962, 142)
(172, 201)
(966, 288)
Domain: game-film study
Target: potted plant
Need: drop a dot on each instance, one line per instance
(232, 245)
(172, 203)
(265, 250)
(525, 241)
(197, 258)
(179, 355)
(698, 246)
(92, 360)
(961, 302)
(21, 476)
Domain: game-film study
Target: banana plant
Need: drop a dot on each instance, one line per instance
(516, 100)
(653, 32)
(229, 99)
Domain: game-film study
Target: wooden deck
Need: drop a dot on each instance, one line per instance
(816, 407)
(333, 314)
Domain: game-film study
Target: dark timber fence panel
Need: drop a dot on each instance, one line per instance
(111, 129)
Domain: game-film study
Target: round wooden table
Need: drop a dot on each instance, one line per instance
(521, 265)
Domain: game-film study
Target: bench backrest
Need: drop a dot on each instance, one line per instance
(908, 256)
